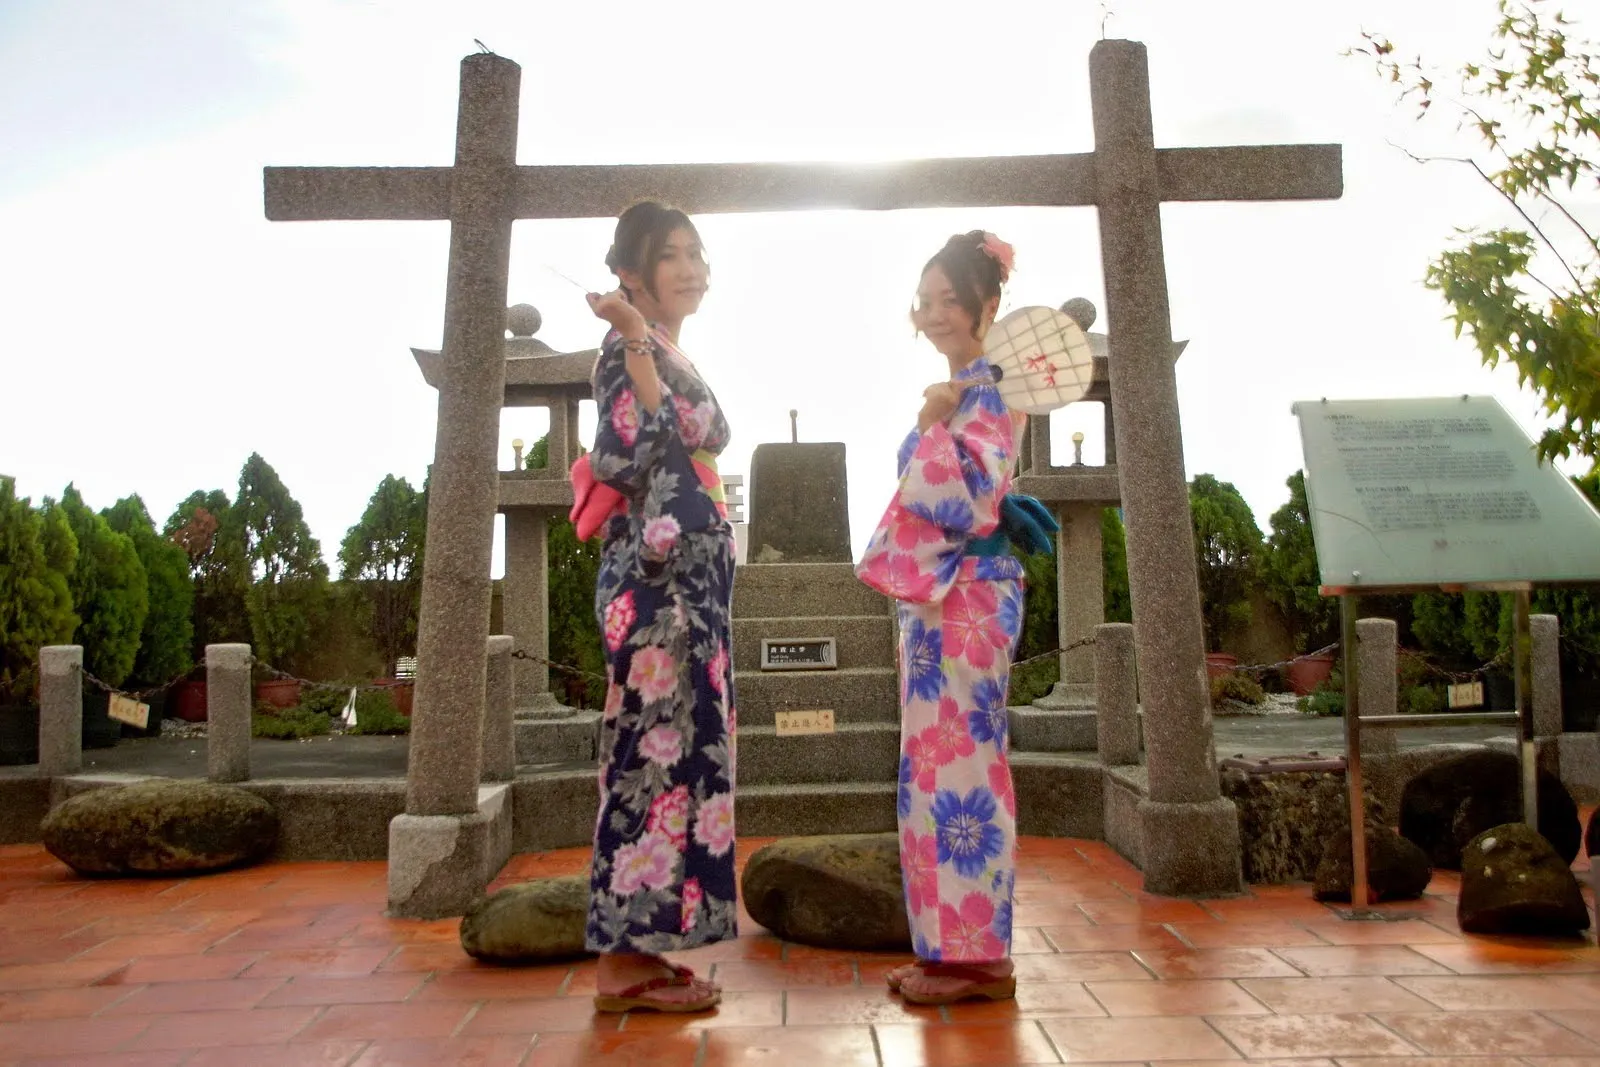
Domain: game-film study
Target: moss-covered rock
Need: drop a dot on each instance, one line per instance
(1513, 882)
(1286, 818)
(1396, 868)
(1457, 799)
(841, 891)
(161, 826)
(529, 923)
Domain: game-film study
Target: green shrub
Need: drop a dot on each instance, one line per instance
(287, 724)
(376, 714)
(329, 702)
(1324, 702)
(1236, 686)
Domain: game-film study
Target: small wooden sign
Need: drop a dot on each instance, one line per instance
(129, 710)
(798, 654)
(1465, 695)
(793, 723)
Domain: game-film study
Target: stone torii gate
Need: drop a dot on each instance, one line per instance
(1190, 833)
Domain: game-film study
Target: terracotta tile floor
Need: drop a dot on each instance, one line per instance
(295, 964)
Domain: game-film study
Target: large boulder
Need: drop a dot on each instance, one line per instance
(842, 891)
(529, 923)
(1287, 814)
(1455, 800)
(1396, 868)
(162, 826)
(1513, 882)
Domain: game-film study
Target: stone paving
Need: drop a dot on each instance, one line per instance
(295, 964)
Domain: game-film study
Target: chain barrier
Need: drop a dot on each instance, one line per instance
(564, 668)
(1261, 668)
(1579, 646)
(1457, 676)
(139, 695)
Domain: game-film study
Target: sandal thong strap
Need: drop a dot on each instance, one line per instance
(664, 981)
(961, 973)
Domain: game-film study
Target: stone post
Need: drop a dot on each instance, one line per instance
(1376, 666)
(499, 746)
(1191, 833)
(1080, 603)
(1117, 694)
(228, 708)
(60, 710)
(1547, 720)
(438, 849)
(525, 607)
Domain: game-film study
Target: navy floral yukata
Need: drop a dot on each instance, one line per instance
(663, 877)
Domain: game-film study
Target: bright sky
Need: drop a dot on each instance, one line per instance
(158, 329)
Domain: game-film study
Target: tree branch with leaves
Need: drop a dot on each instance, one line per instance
(1528, 295)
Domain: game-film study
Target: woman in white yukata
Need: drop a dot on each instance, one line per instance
(943, 551)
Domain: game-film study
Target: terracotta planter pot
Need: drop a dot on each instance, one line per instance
(188, 702)
(1220, 663)
(401, 691)
(1305, 675)
(280, 692)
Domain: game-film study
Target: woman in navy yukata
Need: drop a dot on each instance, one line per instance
(663, 875)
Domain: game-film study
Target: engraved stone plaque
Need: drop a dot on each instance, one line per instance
(798, 654)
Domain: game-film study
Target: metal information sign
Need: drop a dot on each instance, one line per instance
(1430, 495)
(1431, 492)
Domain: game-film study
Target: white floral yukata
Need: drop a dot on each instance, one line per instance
(959, 615)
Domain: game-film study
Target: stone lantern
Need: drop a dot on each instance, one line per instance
(536, 376)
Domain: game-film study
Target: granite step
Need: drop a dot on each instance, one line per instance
(855, 752)
(1036, 729)
(819, 808)
(556, 739)
(861, 640)
(858, 694)
(790, 590)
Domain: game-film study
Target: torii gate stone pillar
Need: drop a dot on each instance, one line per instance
(438, 848)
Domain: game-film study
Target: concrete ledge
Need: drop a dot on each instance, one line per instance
(1037, 729)
(1058, 796)
(24, 800)
(554, 807)
(787, 590)
(855, 752)
(807, 810)
(566, 738)
(1123, 790)
(332, 818)
(860, 694)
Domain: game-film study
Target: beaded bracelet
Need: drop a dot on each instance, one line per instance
(640, 345)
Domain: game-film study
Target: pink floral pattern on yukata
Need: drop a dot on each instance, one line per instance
(663, 876)
(959, 621)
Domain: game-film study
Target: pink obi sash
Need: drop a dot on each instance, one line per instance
(594, 502)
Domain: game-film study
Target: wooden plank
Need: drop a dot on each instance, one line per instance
(1252, 172)
(305, 194)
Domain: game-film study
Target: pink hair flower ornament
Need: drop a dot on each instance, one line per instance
(1000, 252)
